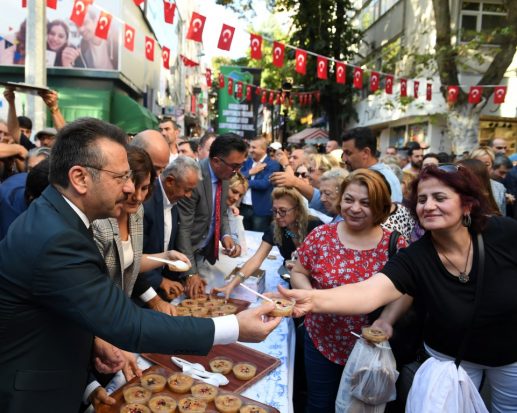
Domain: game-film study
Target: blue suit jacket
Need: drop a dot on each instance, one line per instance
(12, 200)
(55, 297)
(153, 240)
(260, 186)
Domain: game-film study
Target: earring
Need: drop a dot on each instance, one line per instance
(467, 220)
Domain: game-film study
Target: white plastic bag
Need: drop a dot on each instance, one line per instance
(368, 380)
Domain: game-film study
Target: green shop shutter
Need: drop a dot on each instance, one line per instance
(78, 103)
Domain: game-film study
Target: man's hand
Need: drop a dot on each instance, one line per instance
(230, 247)
(195, 286)
(281, 157)
(50, 98)
(100, 396)
(257, 168)
(157, 304)
(107, 358)
(131, 369)
(9, 96)
(253, 328)
(283, 179)
(172, 289)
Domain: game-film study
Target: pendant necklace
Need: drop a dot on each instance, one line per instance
(463, 276)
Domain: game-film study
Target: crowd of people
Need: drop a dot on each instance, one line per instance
(358, 230)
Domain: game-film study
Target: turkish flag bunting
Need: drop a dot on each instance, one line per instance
(429, 91)
(291, 100)
(499, 94)
(374, 81)
(403, 87)
(452, 93)
(103, 25)
(300, 99)
(138, 2)
(255, 46)
(52, 4)
(79, 12)
(230, 86)
(310, 98)
(388, 86)
(166, 54)
(149, 48)
(187, 62)
(208, 75)
(221, 80)
(416, 86)
(129, 37)
(358, 78)
(195, 30)
(248, 93)
(238, 93)
(258, 91)
(24, 3)
(226, 37)
(318, 96)
(322, 65)
(278, 54)
(271, 97)
(340, 69)
(263, 98)
(168, 11)
(301, 61)
(475, 94)
(278, 99)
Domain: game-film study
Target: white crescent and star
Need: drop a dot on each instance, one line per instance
(148, 46)
(321, 66)
(197, 23)
(165, 55)
(79, 7)
(475, 93)
(129, 35)
(300, 60)
(255, 43)
(277, 52)
(340, 71)
(103, 21)
(388, 82)
(227, 35)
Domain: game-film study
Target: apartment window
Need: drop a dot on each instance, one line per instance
(372, 11)
(482, 18)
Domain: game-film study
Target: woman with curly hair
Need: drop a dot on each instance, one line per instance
(290, 226)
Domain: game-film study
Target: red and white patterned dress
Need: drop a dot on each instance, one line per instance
(330, 265)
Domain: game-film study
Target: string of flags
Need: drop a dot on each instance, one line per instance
(195, 33)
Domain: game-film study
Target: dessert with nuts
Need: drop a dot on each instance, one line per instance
(244, 371)
(221, 365)
(136, 394)
(204, 392)
(154, 382)
(162, 403)
(180, 383)
(191, 405)
(228, 403)
(134, 408)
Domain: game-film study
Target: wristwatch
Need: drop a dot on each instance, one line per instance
(240, 275)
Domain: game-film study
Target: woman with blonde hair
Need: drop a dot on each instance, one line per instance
(291, 224)
(319, 164)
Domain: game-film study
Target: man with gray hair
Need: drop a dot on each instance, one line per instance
(177, 181)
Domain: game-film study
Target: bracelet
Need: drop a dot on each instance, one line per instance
(241, 276)
(54, 109)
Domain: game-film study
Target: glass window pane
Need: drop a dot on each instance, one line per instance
(494, 8)
(468, 22)
(470, 6)
(489, 23)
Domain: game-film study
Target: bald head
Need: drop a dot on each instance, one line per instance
(155, 145)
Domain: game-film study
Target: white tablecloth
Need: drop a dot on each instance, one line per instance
(276, 388)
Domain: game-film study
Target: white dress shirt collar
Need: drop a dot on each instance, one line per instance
(81, 214)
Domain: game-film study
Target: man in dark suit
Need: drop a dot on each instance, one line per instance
(203, 217)
(55, 296)
(177, 181)
(256, 205)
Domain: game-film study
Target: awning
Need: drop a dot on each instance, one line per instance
(309, 135)
(129, 115)
(78, 103)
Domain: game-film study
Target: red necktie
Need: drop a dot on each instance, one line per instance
(217, 228)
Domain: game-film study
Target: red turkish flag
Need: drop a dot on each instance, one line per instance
(322, 67)
(300, 99)
(429, 91)
(149, 48)
(248, 93)
(255, 46)
(226, 37)
(374, 81)
(278, 99)
(403, 87)
(129, 37)
(238, 93)
(166, 54)
(195, 30)
(168, 11)
(187, 62)
(24, 4)
(278, 54)
(499, 94)
(318, 96)
(475, 94)
(271, 97)
(52, 4)
(230, 86)
(452, 93)
(416, 86)
(301, 61)
(358, 78)
(138, 2)
(389, 84)
(221, 80)
(258, 91)
(79, 12)
(310, 98)
(340, 72)
(263, 98)
(208, 76)
(103, 25)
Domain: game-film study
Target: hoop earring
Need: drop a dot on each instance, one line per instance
(467, 220)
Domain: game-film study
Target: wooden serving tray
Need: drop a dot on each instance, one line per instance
(241, 304)
(237, 352)
(119, 396)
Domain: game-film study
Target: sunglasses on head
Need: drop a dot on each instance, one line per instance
(301, 174)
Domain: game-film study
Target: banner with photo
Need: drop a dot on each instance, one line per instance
(68, 45)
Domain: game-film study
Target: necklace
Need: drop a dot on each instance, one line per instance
(463, 276)
(291, 234)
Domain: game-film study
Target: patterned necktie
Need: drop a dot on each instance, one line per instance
(217, 228)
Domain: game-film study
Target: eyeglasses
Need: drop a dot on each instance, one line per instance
(448, 167)
(234, 166)
(500, 147)
(301, 174)
(281, 212)
(123, 177)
